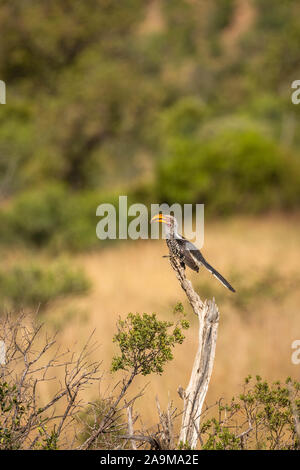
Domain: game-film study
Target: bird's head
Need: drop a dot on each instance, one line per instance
(169, 220)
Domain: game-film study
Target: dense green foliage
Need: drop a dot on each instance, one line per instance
(146, 343)
(53, 217)
(58, 219)
(33, 284)
(232, 170)
(162, 96)
(262, 417)
(15, 411)
(9, 401)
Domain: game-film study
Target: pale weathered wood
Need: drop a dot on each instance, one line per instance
(195, 393)
(166, 423)
(130, 426)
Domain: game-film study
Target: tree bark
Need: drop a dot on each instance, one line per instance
(195, 393)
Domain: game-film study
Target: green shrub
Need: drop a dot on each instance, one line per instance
(146, 343)
(223, 14)
(52, 216)
(16, 146)
(37, 214)
(93, 415)
(78, 230)
(183, 118)
(263, 417)
(235, 170)
(31, 285)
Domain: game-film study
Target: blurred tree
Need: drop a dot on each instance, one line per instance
(278, 28)
(229, 170)
(43, 38)
(15, 146)
(92, 92)
(92, 99)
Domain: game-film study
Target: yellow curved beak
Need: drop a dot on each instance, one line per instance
(159, 218)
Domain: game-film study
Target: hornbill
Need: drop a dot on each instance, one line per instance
(185, 251)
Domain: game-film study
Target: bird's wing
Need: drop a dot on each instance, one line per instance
(190, 262)
(188, 258)
(194, 259)
(199, 257)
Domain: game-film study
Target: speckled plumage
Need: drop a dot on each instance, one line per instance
(187, 253)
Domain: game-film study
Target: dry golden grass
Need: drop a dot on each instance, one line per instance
(133, 277)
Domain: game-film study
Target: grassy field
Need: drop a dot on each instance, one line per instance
(257, 324)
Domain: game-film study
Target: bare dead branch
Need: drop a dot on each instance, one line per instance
(194, 395)
(130, 426)
(154, 443)
(29, 362)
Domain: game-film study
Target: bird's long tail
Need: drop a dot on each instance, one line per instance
(217, 275)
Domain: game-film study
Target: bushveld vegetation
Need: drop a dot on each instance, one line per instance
(30, 285)
(263, 416)
(167, 131)
(177, 101)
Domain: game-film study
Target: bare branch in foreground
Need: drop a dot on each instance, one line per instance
(130, 426)
(32, 360)
(195, 393)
